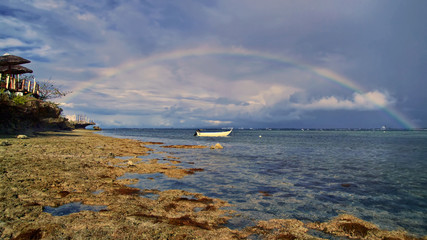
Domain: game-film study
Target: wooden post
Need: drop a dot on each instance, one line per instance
(15, 86)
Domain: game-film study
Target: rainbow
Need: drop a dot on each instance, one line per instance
(240, 52)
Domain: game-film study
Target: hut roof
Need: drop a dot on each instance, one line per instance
(7, 60)
(15, 69)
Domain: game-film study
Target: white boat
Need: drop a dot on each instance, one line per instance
(212, 134)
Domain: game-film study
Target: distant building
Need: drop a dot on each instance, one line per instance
(78, 118)
(79, 121)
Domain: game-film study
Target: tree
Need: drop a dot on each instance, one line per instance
(48, 89)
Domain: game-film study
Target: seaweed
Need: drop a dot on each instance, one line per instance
(64, 193)
(354, 229)
(187, 221)
(286, 236)
(126, 191)
(156, 219)
(170, 206)
(265, 193)
(210, 208)
(193, 170)
(32, 234)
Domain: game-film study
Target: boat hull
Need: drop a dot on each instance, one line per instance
(213, 134)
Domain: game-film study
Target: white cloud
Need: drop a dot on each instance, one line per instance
(48, 4)
(11, 42)
(217, 122)
(360, 101)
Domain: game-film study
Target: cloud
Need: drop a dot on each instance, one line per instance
(217, 122)
(85, 43)
(48, 4)
(361, 101)
(11, 42)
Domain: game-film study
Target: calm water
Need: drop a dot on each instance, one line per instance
(310, 176)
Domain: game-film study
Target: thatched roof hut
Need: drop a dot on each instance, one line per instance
(8, 60)
(14, 69)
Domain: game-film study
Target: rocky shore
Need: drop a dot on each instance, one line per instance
(58, 168)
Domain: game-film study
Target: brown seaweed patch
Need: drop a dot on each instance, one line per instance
(210, 208)
(193, 170)
(354, 229)
(156, 219)
(126, 191)
(286, 236)
(31, 204)
(64, 193)
(170, 206)
(404, 237)
(185, 146)
(153, 143)
(187, 221)
(33, 234)
(265, 193)
(280, 229)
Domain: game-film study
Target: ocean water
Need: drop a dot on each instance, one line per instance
(377, 176)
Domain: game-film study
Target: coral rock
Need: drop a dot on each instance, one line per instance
(217, 146)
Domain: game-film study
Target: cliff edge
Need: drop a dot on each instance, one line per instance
(22, 114)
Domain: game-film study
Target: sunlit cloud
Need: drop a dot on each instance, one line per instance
(11, 42)
(359, 101)
(217, 122)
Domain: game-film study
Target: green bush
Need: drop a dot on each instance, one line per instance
(20, 100)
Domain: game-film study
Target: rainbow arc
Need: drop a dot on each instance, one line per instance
(240, 52)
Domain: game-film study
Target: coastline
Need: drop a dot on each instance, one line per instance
(58, 168)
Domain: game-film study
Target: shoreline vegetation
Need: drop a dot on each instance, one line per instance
(52, 169)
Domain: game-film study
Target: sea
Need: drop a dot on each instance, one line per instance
(312, 175)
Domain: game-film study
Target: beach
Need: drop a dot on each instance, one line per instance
(53, 169)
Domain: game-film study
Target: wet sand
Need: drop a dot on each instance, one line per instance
(57, 168)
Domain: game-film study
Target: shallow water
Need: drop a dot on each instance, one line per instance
(73, 207)
(311, 175)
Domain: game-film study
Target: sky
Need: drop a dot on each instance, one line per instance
(228, 63)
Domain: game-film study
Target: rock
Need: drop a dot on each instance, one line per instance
(22, 137)
(217, 146)
(5, 143)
